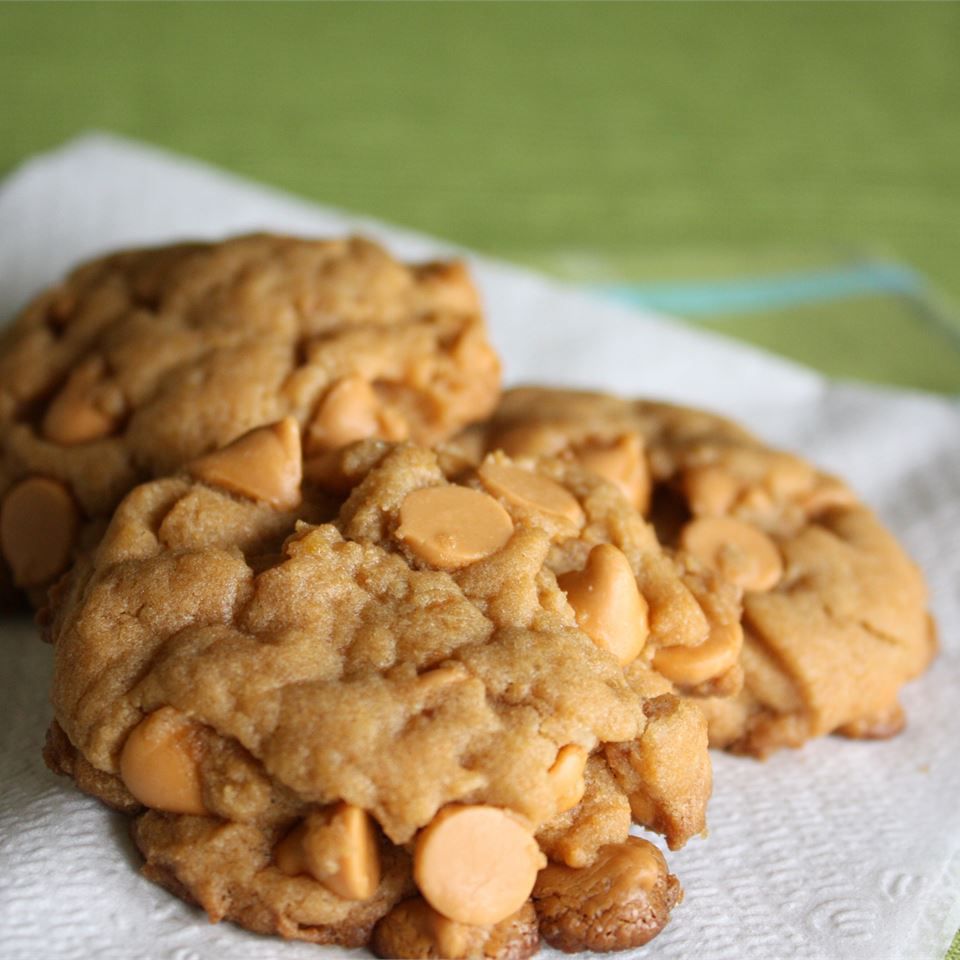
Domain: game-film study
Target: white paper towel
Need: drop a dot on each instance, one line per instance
(841, 850)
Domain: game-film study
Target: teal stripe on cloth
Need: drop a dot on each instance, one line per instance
(774, 292)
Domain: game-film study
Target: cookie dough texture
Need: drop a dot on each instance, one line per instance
(835, 615)
(415, 930)
(143, 360)
(266, 668)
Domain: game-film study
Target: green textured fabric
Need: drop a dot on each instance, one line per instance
(902, 337)
(710, 139)
(954, 952)
(859, 338)
(605, 141)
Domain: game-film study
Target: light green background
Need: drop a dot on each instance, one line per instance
(642, 141)
(663, 140)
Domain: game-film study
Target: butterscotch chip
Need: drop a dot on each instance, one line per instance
(451, 527)
(622, 462)
(828, 494)
(357, 873)
(476, 864)
(607, 602)
(355, 723)
(690, 666)
(339, 848)
(710, 490)
(567, 776)
(531, 440)
(413, 930)
(224, 867)
(159, 764)
(290, 854)
(38, 528)
(264, 464)
(739, 551)
(349, 412)
(530, 490)
(602, 816)
(145, 360)
(85, 409)
(622, 900)
(75, 423)
(834, 613)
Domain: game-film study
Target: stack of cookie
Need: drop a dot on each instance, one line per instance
(375, 655)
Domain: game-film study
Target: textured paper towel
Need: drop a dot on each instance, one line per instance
(841, 850)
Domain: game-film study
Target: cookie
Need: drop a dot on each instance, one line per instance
(835, 615)
(141, 361)
(326, 689)
(414, 929)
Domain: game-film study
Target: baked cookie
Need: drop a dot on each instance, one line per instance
(834, 613)
(340, 716)
(141, 361)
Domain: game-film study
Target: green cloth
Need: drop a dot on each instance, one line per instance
(875, 321)
(623, 145)
(664, 141)
(954, 952)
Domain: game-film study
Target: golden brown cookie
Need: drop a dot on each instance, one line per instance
(318, 704)
(834, 613)
(622, 900)
(141, 361)
(414, 930)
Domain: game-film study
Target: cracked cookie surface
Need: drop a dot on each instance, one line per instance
(143, 360)
(319, 703)
(834, 612)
